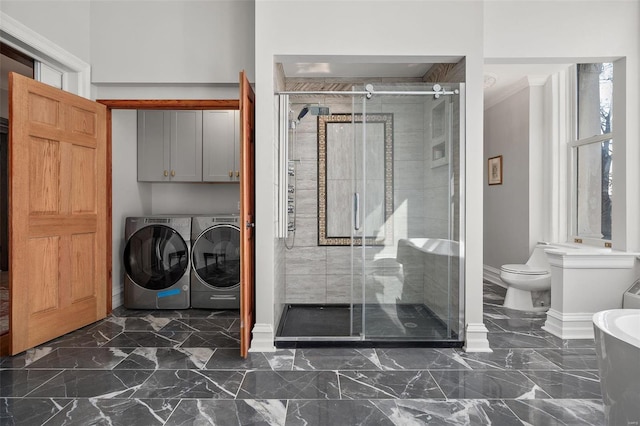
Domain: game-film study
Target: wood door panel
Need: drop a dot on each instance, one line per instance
(43, 274)
(44, 174)
(82, 267)
(44, 110)
(59, 275)
(83, 122)
(83, 180)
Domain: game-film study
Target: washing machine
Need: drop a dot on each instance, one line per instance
(157, 262)
(215, 262)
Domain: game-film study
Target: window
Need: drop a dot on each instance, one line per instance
(593, 152)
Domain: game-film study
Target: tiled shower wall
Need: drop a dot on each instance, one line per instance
(319, 274)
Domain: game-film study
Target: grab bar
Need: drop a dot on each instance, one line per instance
(356, 211)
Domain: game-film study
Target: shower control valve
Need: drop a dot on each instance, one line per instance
(291, 189)
(290, 209)
(291, 226)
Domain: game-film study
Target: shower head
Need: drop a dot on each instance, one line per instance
(314, 110)
(303, 112)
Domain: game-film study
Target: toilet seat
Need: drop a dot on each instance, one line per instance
(524, 269)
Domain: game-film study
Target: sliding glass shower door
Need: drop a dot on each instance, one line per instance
(406, 215)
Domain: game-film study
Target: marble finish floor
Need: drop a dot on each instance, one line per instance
(182, 368)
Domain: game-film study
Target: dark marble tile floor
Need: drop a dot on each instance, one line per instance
(183, 368)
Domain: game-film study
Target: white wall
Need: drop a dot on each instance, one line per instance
(172, 41)
(582, 31)
(129, 197)
(194, 198)
(65, 23)
(506, 206)
(365, 28)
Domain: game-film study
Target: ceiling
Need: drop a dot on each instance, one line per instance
(354, 70)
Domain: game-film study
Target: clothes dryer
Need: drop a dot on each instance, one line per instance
(157, 262)
(215, 260)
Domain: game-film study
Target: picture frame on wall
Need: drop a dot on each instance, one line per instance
(495, 170)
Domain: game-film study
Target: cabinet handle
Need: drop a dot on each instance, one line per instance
(237, 173)
(166, 173)
(173, 173)
(230, 173)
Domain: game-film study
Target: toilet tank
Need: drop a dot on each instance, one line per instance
(538, 258)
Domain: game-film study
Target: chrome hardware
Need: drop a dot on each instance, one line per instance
(249, 225)
(166, 173)
(291, 189)
(290, 209)
(290, 200)
(291, 226)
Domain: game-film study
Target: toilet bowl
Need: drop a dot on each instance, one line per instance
(522, 279)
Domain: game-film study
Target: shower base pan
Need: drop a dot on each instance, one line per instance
(386, 325)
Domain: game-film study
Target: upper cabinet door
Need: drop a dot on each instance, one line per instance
(170, 146)
(220, 147)
(186, 146)
(154, 154)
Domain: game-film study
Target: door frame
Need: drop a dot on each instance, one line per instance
(135, 104)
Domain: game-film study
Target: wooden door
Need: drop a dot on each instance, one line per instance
(58, 214)
(247, 213)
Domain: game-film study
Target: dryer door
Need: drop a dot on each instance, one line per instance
(156, 257)
(216, 257)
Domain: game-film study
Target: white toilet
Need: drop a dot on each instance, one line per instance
(521, 280)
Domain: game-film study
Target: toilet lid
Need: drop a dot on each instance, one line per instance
(524, 269)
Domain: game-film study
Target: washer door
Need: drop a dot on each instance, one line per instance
(216, 256)
(156, 257)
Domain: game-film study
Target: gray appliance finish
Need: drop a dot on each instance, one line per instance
(215, 260)
(157, 262)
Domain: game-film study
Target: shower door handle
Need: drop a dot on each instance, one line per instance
(356, 211)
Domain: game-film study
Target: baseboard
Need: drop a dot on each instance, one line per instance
(476, 338)
(117, 299)
(262, 338)
(569, 326)
(492, 275)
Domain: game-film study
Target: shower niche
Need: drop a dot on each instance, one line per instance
(372, 204)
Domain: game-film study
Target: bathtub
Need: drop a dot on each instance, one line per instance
(617, 334)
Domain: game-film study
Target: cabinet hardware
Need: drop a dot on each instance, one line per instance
(237, 173)
(230, 173)
(173, 173)
(166, 173)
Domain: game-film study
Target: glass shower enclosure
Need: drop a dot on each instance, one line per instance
(376, 257)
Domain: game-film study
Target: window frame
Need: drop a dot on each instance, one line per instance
(572, 147)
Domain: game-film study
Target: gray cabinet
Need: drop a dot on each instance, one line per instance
(220, 146)
(169, 146)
